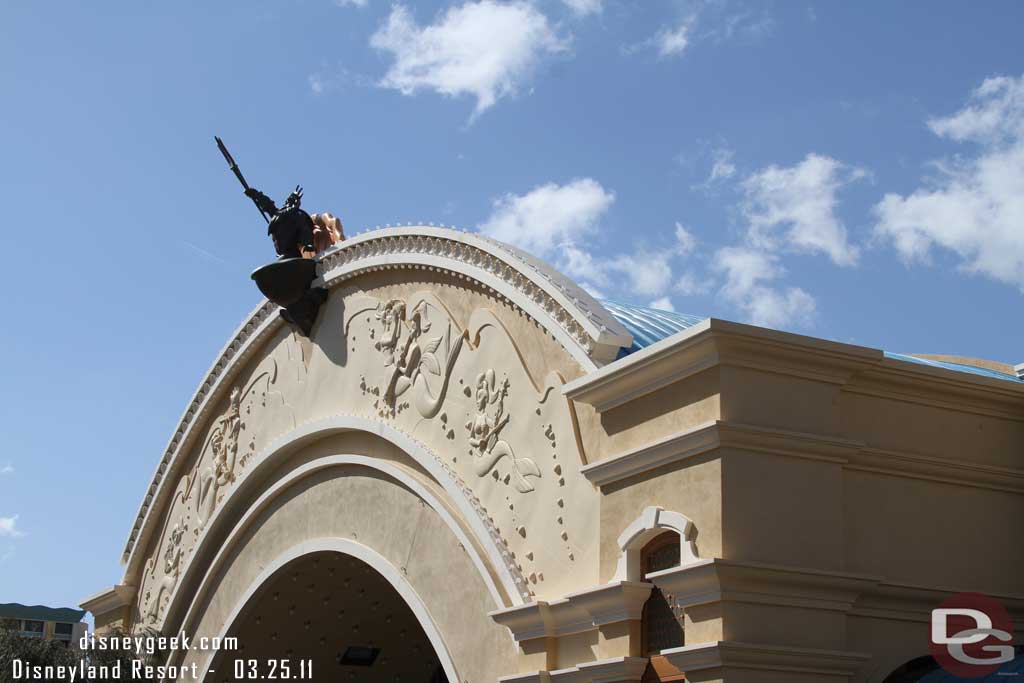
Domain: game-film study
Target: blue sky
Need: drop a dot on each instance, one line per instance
(853, 171)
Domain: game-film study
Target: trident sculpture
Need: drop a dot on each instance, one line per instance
(297, 237)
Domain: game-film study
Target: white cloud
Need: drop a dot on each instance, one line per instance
(685, 241)
(975, 208)
(7, 469)
(722, 167)
(747, 274)
(8, 527)
(794, 208)
(995, 115)
(582, 8)
(557, 223)
(689, 284)
(672, 42)
(662, 304)
(549, 216)
(487, 49)
(353, 3)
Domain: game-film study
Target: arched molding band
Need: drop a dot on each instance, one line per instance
(505, 581)
(652, 523)
(589, 333)
(380, 564)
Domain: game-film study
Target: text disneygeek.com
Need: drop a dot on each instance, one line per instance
(134, 664)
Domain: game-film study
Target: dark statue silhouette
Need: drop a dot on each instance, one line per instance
(286, 281)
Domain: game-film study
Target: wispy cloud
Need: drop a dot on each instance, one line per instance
(8, 527)
(351, 3)
(582, 8)
(7, 469)
(974, 209)
(707, 21)
(484, 49)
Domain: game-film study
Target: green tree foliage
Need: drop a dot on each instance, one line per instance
(38, 652)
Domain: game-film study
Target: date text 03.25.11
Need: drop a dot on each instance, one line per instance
(273, 670)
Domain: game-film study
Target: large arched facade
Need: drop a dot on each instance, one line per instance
(461, 465)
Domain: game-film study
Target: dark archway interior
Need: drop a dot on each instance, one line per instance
(331, 617)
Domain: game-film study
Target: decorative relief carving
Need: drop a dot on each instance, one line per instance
(485, 429)
(410, 357)
(172, 570)
(222, 445)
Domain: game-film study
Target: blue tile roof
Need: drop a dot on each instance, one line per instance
(650, 325)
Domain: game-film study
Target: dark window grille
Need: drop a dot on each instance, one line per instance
(661, 628)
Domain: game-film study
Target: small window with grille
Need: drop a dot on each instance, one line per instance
(661, 628)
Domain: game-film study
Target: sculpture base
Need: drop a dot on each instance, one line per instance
(286, 282)
(302, 314)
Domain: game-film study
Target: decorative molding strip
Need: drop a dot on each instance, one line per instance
(615, 670)
(653, 521)
(716, 434)
(108, 600)
(588, 331)
(718, 580)
(914, 602)
(727, 654)
(848, 453)
(714, 342)
(576, 612)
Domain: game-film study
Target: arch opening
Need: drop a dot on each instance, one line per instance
(329, 615)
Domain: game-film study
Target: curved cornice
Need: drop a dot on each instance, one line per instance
(583, 327)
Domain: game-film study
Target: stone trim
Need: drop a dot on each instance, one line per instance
(718, 580)
(580, 323)
(727, 654)
(718, 342)
(577, 612)
(848, 453)
(481, 531)
(588, 332)
(715, 342)
(108, 600)
(653, 521)
(615, 670)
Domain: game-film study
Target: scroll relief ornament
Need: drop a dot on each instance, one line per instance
(485, 430)
(411, 358)
(172, 570)
(223, 446)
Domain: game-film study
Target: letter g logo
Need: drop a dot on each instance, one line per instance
(963, 631)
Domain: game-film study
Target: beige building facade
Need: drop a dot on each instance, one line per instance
(473, 471)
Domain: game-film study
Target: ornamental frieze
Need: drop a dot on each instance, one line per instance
(459, 385)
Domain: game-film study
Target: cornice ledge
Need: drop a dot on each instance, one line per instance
(576, 612)
(586, 329)
(719, 580)
(615, 670)
(663, 363)
(715, 434)
(258, 326)
(670, 449)
(961, 391)
(613, 602)
(718, 342)
(724, 654)
(112, 598)
(914, 602)
(918, 466)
